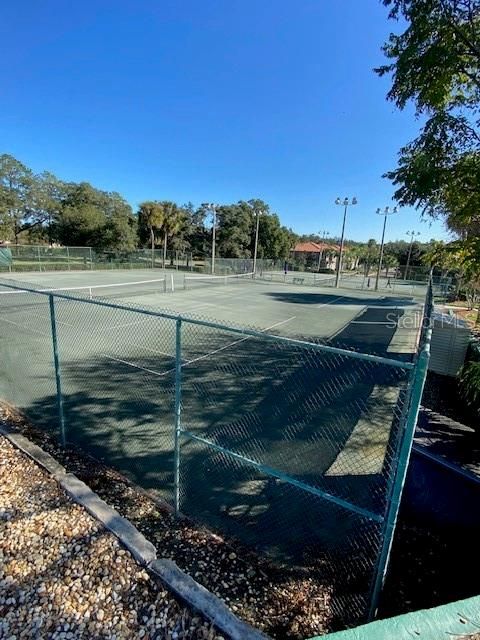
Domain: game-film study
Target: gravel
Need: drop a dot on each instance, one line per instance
(63, 576)
(279, 601)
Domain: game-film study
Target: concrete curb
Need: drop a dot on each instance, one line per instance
(141, 549)
(32, 450)
(211, 606)
(177, 581)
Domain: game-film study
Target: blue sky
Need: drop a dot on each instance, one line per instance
(210, 100)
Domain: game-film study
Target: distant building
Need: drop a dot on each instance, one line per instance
(316, 255)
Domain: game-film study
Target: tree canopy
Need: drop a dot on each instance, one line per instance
(435, 64)
(42, 208)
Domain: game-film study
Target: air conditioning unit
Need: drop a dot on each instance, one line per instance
(450, 339)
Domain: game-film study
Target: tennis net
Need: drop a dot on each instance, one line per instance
(113, 290)
(194, 282)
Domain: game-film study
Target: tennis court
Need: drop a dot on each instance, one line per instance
(286, 446)
(360, 319)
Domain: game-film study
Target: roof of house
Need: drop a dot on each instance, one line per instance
(315, 247)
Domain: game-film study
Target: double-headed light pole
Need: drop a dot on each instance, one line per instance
(257, 213)
(385, 212)
(412, 235)
(213, 208)
(345, 202)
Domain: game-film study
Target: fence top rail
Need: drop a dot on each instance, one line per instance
(244, 331)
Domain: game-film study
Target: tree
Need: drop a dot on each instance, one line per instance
(150, 216)
(389, 261)
(172, 223)
(120, 228)
(235, 230)
(90, 217)
(194, 236)
(461, 258)
(17, 210)
(50, 194)
(435, 63)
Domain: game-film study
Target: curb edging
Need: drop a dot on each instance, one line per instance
(175, 579)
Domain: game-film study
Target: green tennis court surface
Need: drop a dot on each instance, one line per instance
(376, 322)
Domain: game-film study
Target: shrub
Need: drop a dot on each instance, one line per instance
(469, 385)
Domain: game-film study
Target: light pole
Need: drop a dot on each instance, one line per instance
(345, 203)
(213, 208)
(320, 255)
(412, 235)
(258, 213)
(386, 212)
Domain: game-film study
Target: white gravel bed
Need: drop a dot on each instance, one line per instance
(63, 576)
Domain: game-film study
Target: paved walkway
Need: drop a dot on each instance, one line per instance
(449, 439)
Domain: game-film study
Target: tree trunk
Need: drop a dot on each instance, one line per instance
(165, 249)
(152, 241)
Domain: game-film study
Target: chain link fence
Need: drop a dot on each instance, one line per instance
(402, 280)
(25, 258)
(295, 448)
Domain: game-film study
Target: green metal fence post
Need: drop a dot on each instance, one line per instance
(417, 385)
(178, 409)
(58, 378)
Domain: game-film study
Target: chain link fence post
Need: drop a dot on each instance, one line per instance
(58, 378)
(417, 384)
(178, 409)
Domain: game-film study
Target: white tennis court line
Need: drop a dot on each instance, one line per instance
(326, 304)
(156, 351)
(57, 321)
(126, 324)
(207, 355)
(17, 324)
(227, 346)
(135, 366)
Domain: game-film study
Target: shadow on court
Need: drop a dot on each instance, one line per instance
(338, 299)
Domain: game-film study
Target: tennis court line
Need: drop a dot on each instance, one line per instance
(344, 326)
(227, 346)
(17, 324)
(126, 324)
(325, 304)
(135, 366)
(57, 321)
(207, 355)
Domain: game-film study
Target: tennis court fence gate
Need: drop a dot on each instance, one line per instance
(299, 449)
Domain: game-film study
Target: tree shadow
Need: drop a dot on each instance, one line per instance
(339, 299)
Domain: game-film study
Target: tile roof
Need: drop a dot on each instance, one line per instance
(314, 247)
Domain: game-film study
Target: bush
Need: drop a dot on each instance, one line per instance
(469, 385)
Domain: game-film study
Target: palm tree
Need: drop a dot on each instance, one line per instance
(389, 261)
(172, 223)
(151, 214)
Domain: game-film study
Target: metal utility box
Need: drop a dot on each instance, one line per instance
(450, 338)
